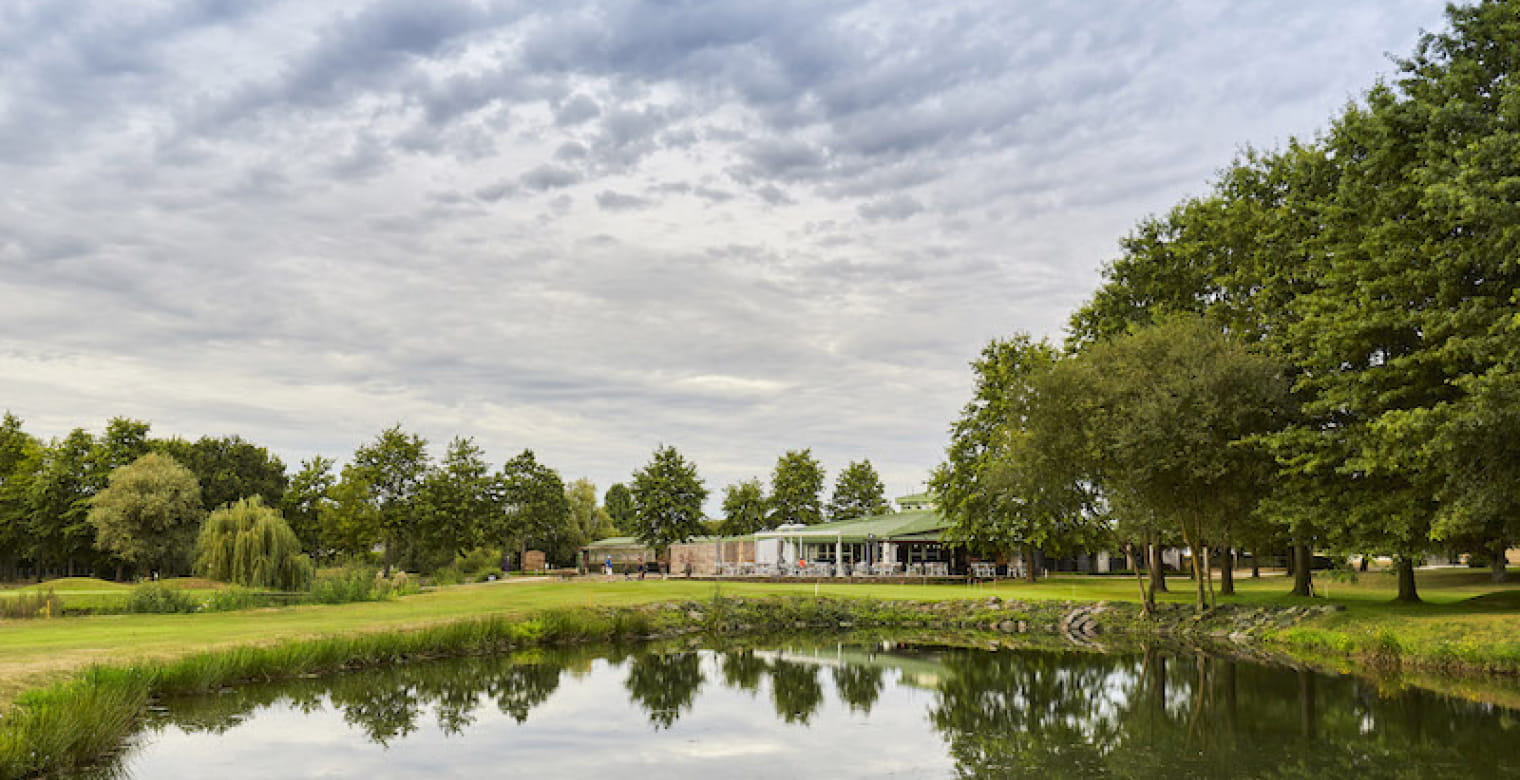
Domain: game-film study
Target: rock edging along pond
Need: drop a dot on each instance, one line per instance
(87, 717)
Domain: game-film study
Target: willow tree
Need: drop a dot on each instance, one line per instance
(250, 544)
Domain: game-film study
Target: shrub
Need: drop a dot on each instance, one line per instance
(156, 597)
(479, 563)
(355, 582)
(235, 598)
(31, 604)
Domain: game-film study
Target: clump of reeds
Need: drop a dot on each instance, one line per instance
(31, 604)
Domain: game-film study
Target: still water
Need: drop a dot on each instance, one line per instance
(829, 710)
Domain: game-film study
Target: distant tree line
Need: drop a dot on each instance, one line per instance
(1322, 352)
(126, 504)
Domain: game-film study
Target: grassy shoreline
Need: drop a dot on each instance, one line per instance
(91, 676)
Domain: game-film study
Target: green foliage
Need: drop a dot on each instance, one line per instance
(1165, 415)
(478, 564)
(391, 468)
(237, 597)
(57, 500)
(536, 512)
(149, 514)
(249, 544)
(590, 521)
(858, 492)
(31, 604)
(667, 499)
(458, 501)
(619, 503)
(308, 495)
(350, 521)
(1003, 484)
(354, 582)
(744, 508)
(160, 598)
(796, 489)
(229, 468)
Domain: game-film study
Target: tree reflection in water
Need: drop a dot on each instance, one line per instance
(1017, 714)
(664, 684)
(1003, 713)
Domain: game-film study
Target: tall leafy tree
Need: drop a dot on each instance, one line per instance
(249, 544)
(536, 513)
(350, 520)
(393, 467)
(60, 532)
(993, 487)
(459, 500)
(667, 499)
(619, 503)
(309, 491)
(797, 489)
(149, 513)
(590, 520)
(1417, 286)
(229, 468)
(858, 492)
(20, 460)
(123, 442)
(744, 508)
(1171, 410)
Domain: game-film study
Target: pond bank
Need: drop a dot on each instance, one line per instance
(87, 717)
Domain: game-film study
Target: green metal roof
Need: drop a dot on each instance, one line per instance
(919, 525)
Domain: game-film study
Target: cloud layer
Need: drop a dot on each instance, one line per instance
(592, 227)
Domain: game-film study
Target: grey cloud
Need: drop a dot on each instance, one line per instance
(496, 191)
(571, 150)
(576, 110)
(616, 201)
(896, 208)
(550, 177)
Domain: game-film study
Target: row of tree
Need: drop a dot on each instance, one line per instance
(1322, 349)
(125, 502)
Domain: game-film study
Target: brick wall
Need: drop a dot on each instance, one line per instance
(703, 556)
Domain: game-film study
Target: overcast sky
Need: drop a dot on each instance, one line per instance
(592, 227)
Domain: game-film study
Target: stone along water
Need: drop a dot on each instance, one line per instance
(834, 711)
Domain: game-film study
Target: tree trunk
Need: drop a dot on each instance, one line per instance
(1129, 559)
(1498, 564)
(1147, 597)
(1404, 566)
(1029, 564)
(1157, 569)
(1227, 573)
(1255, 564)
(1302, 561)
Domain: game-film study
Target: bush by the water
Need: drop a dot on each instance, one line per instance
(358, 582)
(31, 604)
(238, 597)
(157, 597)
(477, 565)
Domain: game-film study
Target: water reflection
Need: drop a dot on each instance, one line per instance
(845, 710)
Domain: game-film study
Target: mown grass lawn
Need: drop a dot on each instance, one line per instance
(1465, 616)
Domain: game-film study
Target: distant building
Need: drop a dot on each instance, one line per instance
(916, 502)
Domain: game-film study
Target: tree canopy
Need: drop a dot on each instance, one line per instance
(149, 513)
(249, 544)
(667, 500)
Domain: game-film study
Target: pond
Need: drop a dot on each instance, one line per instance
(835, 709)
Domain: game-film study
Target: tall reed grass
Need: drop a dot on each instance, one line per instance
(31, 604)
